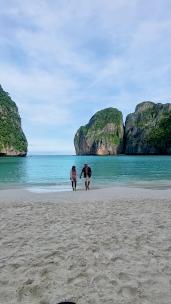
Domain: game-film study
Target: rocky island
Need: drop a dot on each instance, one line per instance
(12, 138)
(146, 131)
(103, 135)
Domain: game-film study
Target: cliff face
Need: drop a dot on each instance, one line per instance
(12, 139)
(103, 135)
(148, 129)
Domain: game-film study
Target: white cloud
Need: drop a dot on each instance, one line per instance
(61, 56)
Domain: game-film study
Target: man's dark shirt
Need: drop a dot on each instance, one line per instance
(86, 171)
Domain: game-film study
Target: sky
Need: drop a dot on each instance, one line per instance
(63, 60)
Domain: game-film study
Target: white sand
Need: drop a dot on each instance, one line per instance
(102, 246)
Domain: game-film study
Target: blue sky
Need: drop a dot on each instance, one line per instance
(63, 60)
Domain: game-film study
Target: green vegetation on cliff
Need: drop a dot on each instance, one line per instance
(12, 138)
(103, 117)
(160, 135)
(146, 117)
(102, 135)
(148, 129)
(97, 123)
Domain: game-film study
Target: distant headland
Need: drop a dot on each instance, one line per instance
(147, 131)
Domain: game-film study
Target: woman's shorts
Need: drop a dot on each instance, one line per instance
(73, 179)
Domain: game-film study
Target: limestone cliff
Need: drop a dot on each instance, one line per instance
(103, 135)
(12, 139)
(148, 129)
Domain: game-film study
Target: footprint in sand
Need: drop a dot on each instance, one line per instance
(66, 303)
(44, 302)
(77, 280)
(123, 276)
(102, 280)
(27, 290)
(128, 291)
(44, 272)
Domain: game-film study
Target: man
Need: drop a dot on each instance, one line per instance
(86, 171)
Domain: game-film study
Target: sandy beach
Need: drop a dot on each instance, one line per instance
(101, 246)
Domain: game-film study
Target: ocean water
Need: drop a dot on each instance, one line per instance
(51, 172)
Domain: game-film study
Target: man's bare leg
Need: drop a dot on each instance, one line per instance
(86, 186)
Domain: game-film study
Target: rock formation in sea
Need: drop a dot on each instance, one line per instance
(148, 129)
(12, 139)
(103, 135)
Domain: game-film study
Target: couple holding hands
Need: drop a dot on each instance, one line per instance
(86, 172)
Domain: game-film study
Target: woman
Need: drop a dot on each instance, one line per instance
(73, 178)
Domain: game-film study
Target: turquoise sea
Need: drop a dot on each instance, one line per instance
(51, 172)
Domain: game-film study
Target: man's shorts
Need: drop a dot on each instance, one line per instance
(87, 179)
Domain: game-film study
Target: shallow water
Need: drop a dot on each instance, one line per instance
(51, 173)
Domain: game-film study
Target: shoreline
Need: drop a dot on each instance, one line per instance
(94, 194)
(126, 193)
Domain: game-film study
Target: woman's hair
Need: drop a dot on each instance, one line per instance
(73, 168)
